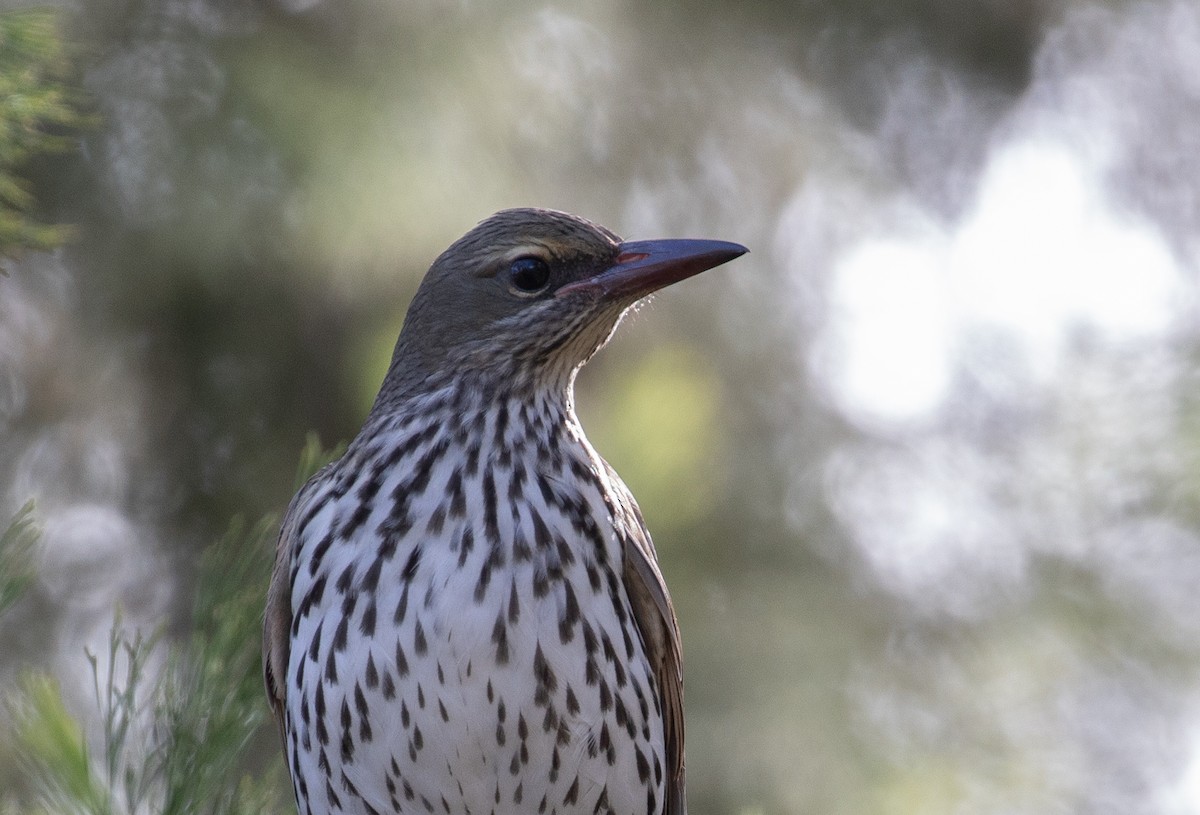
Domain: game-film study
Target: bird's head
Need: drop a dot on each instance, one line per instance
(532, 293)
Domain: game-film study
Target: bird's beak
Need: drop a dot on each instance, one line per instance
(642, 267)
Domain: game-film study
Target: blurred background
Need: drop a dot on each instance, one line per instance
(923, 468)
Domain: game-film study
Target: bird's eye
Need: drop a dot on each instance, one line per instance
(529, 274)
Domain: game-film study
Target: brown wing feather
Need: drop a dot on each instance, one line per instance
(277, 621)
(655, 617)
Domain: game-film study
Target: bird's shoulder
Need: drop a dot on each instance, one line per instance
(655, 616)
(277, 620)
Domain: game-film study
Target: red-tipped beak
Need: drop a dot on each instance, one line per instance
(643, 267)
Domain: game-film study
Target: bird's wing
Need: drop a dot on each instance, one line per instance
(655, 617)
(277, 620)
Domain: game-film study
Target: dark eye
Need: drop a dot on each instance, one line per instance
(529, 274)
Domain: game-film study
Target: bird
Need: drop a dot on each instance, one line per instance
(466, 614)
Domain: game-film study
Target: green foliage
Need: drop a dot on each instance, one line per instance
(212, 692)
(54, 738)
(16, 549)
(313, 457)
(178, 717)
(36, 109)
